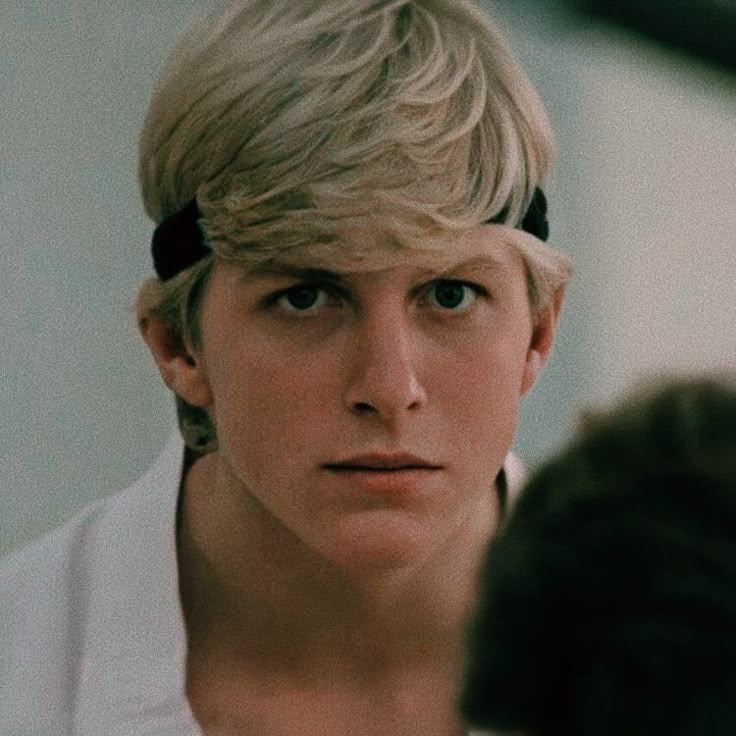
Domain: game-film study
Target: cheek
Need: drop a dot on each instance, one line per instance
(483, 399)
(259, 433)
(266, 404)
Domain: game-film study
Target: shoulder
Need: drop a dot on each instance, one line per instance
(41, 589)
(50, 571)
(37, 581)
(49, 591)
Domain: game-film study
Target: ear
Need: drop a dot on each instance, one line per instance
(543, 336)
(181, 369)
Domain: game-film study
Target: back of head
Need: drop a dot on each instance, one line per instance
(609, 598)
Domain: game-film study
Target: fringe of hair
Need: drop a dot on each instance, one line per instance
(288, 119)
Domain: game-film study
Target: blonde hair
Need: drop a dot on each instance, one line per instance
(288, 119)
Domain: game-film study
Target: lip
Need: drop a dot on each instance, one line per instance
(395, 476)
(382, 463)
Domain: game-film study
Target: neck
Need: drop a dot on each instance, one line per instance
(253, 593)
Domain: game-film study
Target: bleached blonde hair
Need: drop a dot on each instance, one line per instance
(288, 119)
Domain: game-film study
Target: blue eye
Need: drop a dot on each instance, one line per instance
(452, 295)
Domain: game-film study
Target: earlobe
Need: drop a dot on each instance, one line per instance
(181, 370)
(540, 346)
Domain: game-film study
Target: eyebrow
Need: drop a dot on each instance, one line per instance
(281, 269)
(485, 262)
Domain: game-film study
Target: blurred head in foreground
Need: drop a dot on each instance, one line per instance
(609, 598)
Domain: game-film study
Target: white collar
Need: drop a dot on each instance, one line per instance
(134, 642)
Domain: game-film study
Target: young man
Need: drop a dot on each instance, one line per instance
(352, 296)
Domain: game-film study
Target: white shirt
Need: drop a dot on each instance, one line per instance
(92, 639)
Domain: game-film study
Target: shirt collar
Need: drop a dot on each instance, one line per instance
(134, 641)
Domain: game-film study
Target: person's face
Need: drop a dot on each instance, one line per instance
(368, 412)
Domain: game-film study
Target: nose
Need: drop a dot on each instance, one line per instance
(383, 379)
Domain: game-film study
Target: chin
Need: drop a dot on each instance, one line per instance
(383, 546)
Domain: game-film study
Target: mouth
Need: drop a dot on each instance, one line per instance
(382, 463)
(395, 476)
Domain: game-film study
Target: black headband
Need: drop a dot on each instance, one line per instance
(178, 242)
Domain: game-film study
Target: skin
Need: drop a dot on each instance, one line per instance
(312, 582)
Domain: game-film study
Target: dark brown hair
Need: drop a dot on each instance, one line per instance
(608, 600)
